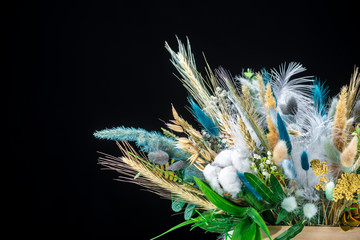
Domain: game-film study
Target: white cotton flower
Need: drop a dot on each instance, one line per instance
(223, 159)
(240, 162)
(289, 204)
(211, 175)
(230, 181)
(309, 210)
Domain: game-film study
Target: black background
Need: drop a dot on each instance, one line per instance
(76, 67)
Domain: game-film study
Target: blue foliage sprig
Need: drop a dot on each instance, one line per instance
(147, 141)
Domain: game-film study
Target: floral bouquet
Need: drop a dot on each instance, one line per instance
(272, 149)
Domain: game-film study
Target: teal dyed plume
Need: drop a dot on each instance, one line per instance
(147, 141)
(283, 133)
(203, 119)
(304, 161)
(320, 96)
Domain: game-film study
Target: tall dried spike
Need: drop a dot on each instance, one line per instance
(261, 87)
(273, 135)
(246, 135)
(353, 93)
(339, 135)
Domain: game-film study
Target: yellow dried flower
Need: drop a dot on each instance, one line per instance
(320, 169)
(347, 185)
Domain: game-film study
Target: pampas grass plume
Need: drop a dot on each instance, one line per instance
(349, 153)
(289, 204)
(339, 136)
(280, 152)
(309, 210)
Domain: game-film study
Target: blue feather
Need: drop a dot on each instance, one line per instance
(203, 119)
(147, 141)
(248, 186)
(283, 133)
(320, 96)
(304, 161)
(266, 76)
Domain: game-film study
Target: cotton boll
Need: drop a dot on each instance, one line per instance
(309, 210)
(158, 157)
(240, 162)
(223, 159)
(211, 175)
(289, 204)
(230, 181)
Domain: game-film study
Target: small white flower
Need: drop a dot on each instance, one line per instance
(289, 204)
(273, 168)
(268, 153)
(256, 156)
(268, 162)
(253, 164)
(266, 174)
(309, 210)
(261, 166)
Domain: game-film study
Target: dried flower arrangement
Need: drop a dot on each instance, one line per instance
(272, 150)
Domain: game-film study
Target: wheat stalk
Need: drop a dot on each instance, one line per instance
(130, 166)
(353, 93)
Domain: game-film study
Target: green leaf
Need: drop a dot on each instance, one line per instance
(189, 211)
(291, 232)
(258, 235)
(255, 216)
(245, 230)
(219, 201)
(282, 215)
(260, 188)
(177, 205)
(278, 191)
(214, 222)
(191, 221)
(251, 199)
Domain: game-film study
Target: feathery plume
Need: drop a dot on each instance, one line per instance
(261, 87)
(349, 153)
(353, 93)
(280, 152)
(339, 136)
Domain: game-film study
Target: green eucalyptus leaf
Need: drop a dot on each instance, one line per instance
(261, 188)
(219, 201)
(291, 232)
(177, 205)
(189, 211)
(255, 216)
